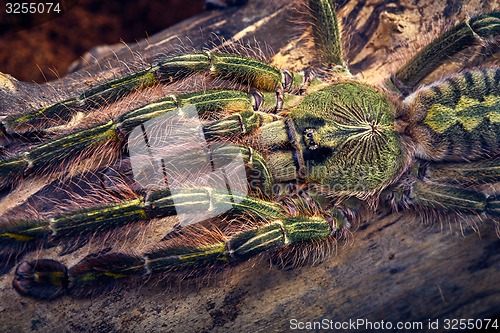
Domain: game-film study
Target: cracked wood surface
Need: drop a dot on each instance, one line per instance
(393, 269)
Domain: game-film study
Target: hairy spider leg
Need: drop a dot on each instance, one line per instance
(434, 188)
(28, 234)
(327, 36)
(447, 197)
(439, 186)
(465, 174)
(48, 157)
(476, 30)
(188, 252)
(462, 186)
(246, 70)
(226, 66)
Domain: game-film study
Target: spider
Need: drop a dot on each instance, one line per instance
(320, 151)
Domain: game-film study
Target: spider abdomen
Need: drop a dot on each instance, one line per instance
(458, 118)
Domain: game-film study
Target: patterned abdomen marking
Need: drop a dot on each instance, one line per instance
(458, 118)
(469, 113)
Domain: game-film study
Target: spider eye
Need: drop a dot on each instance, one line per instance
(311, 138)
(309, 131)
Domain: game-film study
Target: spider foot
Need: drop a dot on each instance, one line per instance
(43, 278)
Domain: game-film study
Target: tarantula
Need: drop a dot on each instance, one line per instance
(316, 152)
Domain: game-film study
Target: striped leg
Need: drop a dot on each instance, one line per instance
(462, 189)
(226, 66)
(108, 137)
(473, 31)
(196, 250)
(462, 186)
(465, 174)
(327, 36)
(450, 198)
(24, 235)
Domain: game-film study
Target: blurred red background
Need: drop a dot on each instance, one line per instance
(44, 52)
